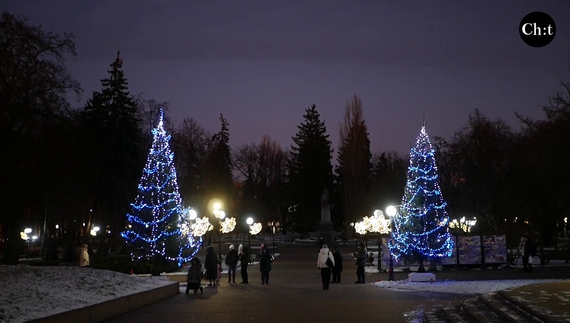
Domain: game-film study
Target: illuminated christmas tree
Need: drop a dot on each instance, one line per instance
(421, 227)
(156, 217)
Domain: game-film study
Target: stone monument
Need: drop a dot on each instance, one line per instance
(326, 229)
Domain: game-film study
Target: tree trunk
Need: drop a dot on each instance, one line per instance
(421, 269)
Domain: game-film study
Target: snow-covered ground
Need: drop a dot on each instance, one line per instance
(28, 292)
(460, 287)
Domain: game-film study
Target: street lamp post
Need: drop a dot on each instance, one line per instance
(220, 215)
(273, 225)
(249, 222)
(26, 237)
(391, 211)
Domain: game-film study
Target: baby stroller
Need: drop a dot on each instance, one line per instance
(194, 278)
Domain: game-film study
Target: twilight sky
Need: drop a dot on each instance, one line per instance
(261, 63)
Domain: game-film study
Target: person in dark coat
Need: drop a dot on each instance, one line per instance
(211, 265)
(361, 255)
(530, 252)
(524, 256)
(243, 254)
(194, 276)
(265, 260)
(337, 269)
(231, 261)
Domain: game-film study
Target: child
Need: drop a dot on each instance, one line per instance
(219, 272)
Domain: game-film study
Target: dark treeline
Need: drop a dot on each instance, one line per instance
(66, 170)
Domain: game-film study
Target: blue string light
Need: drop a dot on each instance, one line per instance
(422, 225)
(156, 215)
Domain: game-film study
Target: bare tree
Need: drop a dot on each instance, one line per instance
(262, 166)
(190, 146)
(354, 161)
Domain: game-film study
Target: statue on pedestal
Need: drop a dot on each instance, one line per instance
(325, 196)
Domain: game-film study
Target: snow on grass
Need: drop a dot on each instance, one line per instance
(460, 287)
(30, 292)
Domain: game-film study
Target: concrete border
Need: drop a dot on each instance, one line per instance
(115, 307)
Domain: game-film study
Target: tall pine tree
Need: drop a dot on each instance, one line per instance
(156, 216)
(115, 141)
(218, 181)
(421, 227)
(309, 171)
(354, 163)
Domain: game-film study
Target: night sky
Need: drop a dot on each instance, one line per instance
(261, 63)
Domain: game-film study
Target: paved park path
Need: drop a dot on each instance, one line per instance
(295, 294)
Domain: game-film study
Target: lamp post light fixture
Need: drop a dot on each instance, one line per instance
(249, 222)
(391, 211)
(192, 214)
(25, 235)
(273, 225)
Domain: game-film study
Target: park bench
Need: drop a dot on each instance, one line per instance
(548, 255)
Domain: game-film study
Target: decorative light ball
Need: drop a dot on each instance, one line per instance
(249, 221)
(217, 206)
(193, 214)
(391, 210)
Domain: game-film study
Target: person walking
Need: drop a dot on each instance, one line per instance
(84, 256)
(325, 256)
(530, 252)
(211, 265)
(265, 260)
(360, 255)
(232, 259)
(337, 269)
(243, 254)
(524, 256)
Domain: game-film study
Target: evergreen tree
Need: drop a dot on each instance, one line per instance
(309, 171)
(421, 228)
(218, 181)
(156, 217)
(354, 163)
(116, 147)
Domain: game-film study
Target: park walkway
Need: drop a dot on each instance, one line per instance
(295, 294)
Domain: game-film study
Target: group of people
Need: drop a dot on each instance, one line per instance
(329, 263)
(213, 265)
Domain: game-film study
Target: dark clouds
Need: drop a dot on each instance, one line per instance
(263, 62)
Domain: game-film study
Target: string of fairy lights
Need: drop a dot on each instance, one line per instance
(422, 225)
(157, 217)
